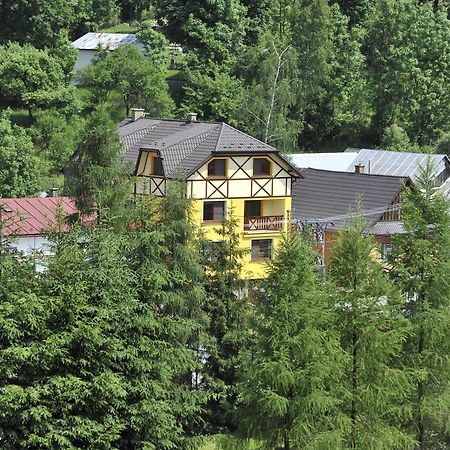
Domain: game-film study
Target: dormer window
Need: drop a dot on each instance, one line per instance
(261, 167)
(157, 166)
(217, 168)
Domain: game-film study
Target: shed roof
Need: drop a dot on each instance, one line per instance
(324, 195)
(92, 41)
(184, 145)
(33, 216)
(403, 164)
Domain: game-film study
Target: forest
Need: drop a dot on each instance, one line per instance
(138, 334)
(303, 75)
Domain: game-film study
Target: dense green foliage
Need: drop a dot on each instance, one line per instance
(133, 338)
(373, 330)
(140, 82)
(229, 308)
(95, 176)
(19, 166)
(421, 267)
(291, 382)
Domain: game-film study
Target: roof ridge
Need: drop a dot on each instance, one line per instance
(222, 126)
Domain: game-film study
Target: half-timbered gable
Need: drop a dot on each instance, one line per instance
(243, 177)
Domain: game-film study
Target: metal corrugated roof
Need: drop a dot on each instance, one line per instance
(329, 195)
(92, 41)
(337, 161)
(184, 145)
(33, 216)
(403, 164)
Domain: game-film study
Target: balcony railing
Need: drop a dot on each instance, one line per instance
(263, 223)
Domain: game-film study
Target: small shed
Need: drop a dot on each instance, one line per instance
(90, 43)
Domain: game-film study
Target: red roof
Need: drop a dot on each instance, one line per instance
(33, 216)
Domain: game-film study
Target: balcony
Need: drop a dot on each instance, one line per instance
(263, 223)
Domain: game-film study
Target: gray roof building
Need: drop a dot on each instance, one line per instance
(92, 41)
(184, 144)
(329, 196)
(402, 164)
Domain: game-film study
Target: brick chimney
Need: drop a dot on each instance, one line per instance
(137, 113)
(359, 168)
(192, 117)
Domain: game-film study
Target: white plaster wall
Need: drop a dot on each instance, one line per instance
(85, 58)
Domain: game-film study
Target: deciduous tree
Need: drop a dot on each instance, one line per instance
(19, 165)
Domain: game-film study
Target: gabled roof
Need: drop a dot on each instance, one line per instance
(92, 41)
(330, 196)
(185, 145)
(403, 164)
(33, 216)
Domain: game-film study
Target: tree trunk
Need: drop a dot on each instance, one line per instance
(30, 114)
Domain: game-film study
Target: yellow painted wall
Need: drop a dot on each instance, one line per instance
(251, 270)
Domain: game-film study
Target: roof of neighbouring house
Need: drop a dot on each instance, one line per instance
(337, 161)
(92, 41)
(403, 164)
(324, 195)
(185, 145)
(33, 216)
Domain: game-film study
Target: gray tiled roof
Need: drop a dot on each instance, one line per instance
(330, 195)
(403, 164)
(184, 145)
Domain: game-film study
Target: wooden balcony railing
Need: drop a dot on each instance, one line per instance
(263, 223)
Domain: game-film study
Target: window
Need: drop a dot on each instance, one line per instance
(252, 208)
(261, 249)
(261, 166)
(213, 211)
(386, 251)
(217, 168)
(157, 166)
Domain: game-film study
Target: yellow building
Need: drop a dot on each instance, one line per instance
(225, 170)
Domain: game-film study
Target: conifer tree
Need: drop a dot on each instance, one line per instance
(228, 309)
(421, 263)
(183, 298)
(373, 331)
(96, 176)
(290, 381)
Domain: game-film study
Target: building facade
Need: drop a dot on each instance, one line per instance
(226, 172)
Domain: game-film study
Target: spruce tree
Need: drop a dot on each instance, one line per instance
(228, 308)
(96, 176)
(373, 331)
(290, 380)
(166, 259)
(421, 263)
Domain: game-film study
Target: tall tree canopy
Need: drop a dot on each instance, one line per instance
(422, 266)
(20, 169)
(32, 78)
(373, 331)
(291, 379)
